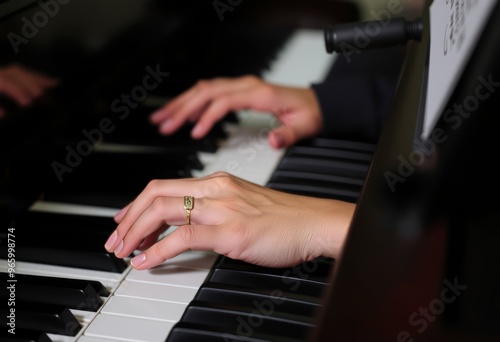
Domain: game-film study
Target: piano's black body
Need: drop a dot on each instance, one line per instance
(438, 230)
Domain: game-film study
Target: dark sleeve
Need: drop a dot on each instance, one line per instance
(355, 96)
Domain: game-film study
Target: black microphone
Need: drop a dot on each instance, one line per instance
(372, 34)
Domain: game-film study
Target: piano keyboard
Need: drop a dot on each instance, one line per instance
(150, 305)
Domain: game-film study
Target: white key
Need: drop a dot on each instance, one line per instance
(144, 308)
(128, 329)
(159, 292)
(108, 279)
(246, 153)
(77, 209)
(61, 338)
(171, 275)
(95, 339)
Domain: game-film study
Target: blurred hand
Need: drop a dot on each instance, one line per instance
(22, 85)
(232, 217)
(210, 100)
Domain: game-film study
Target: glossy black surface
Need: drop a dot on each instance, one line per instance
(421, 260)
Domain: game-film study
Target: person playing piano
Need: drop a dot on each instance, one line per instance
(246, 221)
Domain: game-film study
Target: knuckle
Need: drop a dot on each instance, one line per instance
(158, 205)
(224, 178)
(153, 184)
(203, 86)
(251, 79)
(221, 174)
(267, 92)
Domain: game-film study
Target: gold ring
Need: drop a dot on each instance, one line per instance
(188, 206)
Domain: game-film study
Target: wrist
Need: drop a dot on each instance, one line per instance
(334, 228)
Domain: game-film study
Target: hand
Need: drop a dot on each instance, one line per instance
(23, 85)
(232, 217)
(209, 101)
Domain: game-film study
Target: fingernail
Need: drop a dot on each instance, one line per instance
(166, 126)
(197, 130)
(155, 115)
(119, 248)
(138, 260)
(111, 240)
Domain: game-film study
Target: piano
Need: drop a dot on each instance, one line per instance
(404, 250)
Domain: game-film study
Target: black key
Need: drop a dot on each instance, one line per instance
(317, 270)
(55, 223)
(332, 153)
(72, 241)
(277, 323)
(284, 176)
(192, 332)
(315, 189)
(115, 179)
(22, 335)
(286, 281)
(137, 130)
(52, 319)
(71, 293)
(266, 301)
(259, 303)
(339, 144)
(324, 166)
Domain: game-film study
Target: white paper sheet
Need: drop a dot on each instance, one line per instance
(456, 26)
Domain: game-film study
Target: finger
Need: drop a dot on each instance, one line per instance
(195, 100)
(47, 82)
(282, 137)
(173, 188)
(196, 115)
(174, 116)
(152, 238)
(17, 93)
(220, 107)
(163, 210)
(167, 188)
(29, 82)
(194, 237)
(35, 82)
(162, 114)
(158, 188)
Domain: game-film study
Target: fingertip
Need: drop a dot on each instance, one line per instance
(198, 131)
(111, 241)
(277, 140)
(156, 116)
(138, 261)
(167, 127)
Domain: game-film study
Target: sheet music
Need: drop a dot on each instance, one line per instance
(456, 26)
